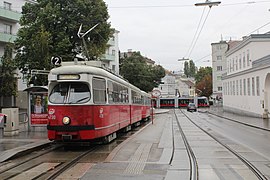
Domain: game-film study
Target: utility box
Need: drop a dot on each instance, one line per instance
(11, 126)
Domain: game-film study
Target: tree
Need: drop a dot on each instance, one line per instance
(186, 68)
(192, 69)
(203, 80)
(189, 68)
(138, 73)
(203, 71)
(8, 81)
(49, 28)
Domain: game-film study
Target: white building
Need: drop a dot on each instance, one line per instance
(218, 66)
(110, 59)
(10, 13)
(246, 86)
(175, 86)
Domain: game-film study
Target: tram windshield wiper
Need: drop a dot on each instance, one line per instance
(82, 99)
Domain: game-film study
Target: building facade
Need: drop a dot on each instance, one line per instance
(110, 60)
(10, 14)
(218, 66)
(246, 86)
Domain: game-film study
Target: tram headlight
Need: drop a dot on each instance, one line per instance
(66, 120)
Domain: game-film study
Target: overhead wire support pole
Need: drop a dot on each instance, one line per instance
(81, 36)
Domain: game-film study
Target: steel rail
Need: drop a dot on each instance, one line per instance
(31, 158)
(69, 164)
(194, 173)
(257, 172)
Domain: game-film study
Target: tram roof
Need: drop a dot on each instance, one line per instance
(84, 69)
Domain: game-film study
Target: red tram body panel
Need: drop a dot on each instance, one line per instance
(87, 103)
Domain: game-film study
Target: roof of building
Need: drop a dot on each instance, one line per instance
(188, 82)
(261, 62)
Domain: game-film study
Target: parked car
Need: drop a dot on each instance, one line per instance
(191, 107)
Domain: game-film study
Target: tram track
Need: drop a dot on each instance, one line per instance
(54, 162)
(192, 158)
(248, 164)
(69, 164)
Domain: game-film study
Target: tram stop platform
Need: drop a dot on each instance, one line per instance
(147, 155)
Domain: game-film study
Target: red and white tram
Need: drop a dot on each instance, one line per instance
(87, 102)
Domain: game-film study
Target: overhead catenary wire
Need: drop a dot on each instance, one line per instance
(182, 6)
(194, 44)
(195, 33)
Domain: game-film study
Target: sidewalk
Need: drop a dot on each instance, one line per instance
(251, 121)
(12, 145)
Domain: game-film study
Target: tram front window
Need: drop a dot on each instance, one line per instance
(70, 93)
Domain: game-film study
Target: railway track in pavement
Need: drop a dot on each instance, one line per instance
(215, 159)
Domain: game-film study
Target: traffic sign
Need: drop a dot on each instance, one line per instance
(56, 60)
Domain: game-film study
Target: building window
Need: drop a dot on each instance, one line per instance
(248, 60)
(233, 65)
(258, 85)
(253, 86)
(248, 86)
(245, 88)
(240, 86)
(233, 87)
(244, 59)
(113, 52)
(219, 78)
(228, 67)
(236, 63)
(237, 87)
(219, 68)
(7, 5)
(219, 88)
(7, 29)
(219, 58)
(240, 61)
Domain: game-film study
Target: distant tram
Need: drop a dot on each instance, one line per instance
(182, 102)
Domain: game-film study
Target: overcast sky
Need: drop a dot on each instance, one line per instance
(163, 30)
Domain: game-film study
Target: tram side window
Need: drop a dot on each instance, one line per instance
(136, 98)
(99, 90)
(117, 93)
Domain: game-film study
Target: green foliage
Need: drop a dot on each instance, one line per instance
(50, 28)
(203, 71)
(141, 75)
(189, 68)
(8, 81)
(204, 81)
(186, 68)
(205, 86)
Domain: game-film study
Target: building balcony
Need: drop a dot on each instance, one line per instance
(4, 37)
(9, 15)
(108, 57)
(111, 42)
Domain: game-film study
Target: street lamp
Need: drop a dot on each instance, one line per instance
(208, 3)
